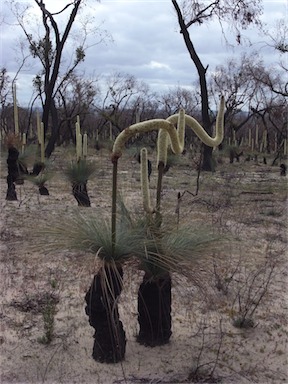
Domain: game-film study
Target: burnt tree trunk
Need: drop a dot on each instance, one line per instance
(37, 168)
(102, 309)
(14, 174)
(80, 193)
(154, 310)
(207, 164)
(43, 191)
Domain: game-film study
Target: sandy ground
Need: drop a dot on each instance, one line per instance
(245, 202)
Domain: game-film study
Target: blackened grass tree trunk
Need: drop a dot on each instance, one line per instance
(16, 170)
(170, 251)
(154, 310)
(78, 173)
(13, 173)
(102, 310)
(43, 190)
(80, 193)
(90, 233)
(154, 294)
(39, 178)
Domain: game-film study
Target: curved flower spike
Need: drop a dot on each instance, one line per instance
(176, 136)
(199, 130)
(181, 128)
(164, 140)
(145, 126)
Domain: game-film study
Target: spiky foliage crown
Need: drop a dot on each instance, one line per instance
(79, 171)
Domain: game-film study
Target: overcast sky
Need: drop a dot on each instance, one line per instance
(146, 42)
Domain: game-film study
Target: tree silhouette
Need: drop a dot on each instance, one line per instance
(49, 49)
(240, 14)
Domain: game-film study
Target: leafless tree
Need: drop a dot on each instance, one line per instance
(5, 98)
(49, 48)
(240, 14)
(246, 97)
(76, 96)
(178, 97)
(123, 98)
(271, 79)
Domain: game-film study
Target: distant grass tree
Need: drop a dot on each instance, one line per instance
(40, 181)
(16, 168)
(78, 173)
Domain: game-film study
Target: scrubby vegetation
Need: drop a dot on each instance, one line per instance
(227, 312)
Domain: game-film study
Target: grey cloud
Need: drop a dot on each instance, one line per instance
(147, 43)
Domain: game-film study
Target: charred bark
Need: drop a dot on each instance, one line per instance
(154, 311)
(102, 309)
(234, 155)
(16, 170)
(80, 193)
(206, 121)
(11, 194)
(43, 191)
(37, 168)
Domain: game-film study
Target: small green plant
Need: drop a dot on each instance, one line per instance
(53, 283)
(243, 322)
(48, 313)
(44, 303)
(204, 372)
(250, 289)
(40, 181)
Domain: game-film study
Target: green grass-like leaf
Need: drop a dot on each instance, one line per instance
(93, 235)
(177, 250)
(30, 155)
(40, 179)
(158, 251)
(79, 171)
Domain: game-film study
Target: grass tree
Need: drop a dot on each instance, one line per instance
(154, 295)
(170, 251)
(16, 168)
(40, 181)
(78, 173)
(115, 241)
(93, 235)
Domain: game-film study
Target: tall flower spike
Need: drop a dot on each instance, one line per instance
(145, 126)
(145, 182)
(181, 128)
(199, 130)
(220, 121)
